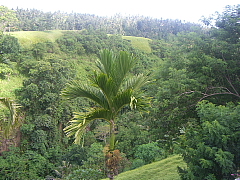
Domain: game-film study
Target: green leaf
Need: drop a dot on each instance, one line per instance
(136, 82)
(80, 121)
(77, 89)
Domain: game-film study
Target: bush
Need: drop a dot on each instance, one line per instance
(95, 157)
(148, 152)
(85, 174)
(76, 155)
(5, 71)
(137, 163)
(28, 166)
(211, 148)
(10, 45)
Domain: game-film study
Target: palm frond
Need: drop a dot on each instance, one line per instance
(105, 83)
(12, 122)
(123, 64)
(76, 89)
(122, 99)
(100, 114)
(12, 107)
(136, 82)
(115, 67)
(133, 102)
(141, 103)
(106, 61)
(80, 121)
(77, 127)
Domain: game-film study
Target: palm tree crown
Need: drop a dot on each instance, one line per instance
(111, 89)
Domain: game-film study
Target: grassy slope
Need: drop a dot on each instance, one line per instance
(7, 86)
(139, 43)
(27, 38)
(165, 169)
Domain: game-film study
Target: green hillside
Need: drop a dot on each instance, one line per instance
(26, 38)
(139, 43)
(165, 169)
(8, 86)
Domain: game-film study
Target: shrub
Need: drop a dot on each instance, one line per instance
(28, 166)
(85, 174)
(137, 163)
(148, 152)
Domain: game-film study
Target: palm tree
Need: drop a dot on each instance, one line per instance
(9, 126)
(13, 121)
(111, 89)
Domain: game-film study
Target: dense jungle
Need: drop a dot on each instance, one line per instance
(90, 97)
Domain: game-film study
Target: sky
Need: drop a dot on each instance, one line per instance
(185, 10)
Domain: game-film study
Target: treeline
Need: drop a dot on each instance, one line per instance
(36, 20)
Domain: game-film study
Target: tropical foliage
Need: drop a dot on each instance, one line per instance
(211, 148)
(194, 96)
(111, 90)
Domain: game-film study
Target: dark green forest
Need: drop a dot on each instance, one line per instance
(180, 98)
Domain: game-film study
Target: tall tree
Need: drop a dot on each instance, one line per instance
(211, 144)
(7, 18)
(111, 90)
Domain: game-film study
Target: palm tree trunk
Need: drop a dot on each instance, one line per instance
(112, 136)
(113, 156)
(109, 165)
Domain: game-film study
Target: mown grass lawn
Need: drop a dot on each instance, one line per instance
(27, 38)
(165, 169)
(139, 43)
